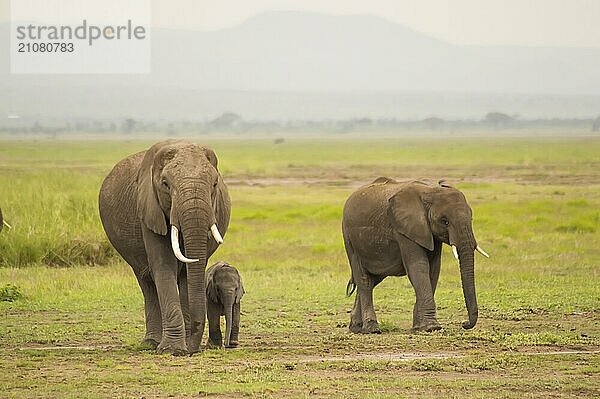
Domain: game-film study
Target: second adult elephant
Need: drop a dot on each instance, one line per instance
(174, 186)
(393, 228)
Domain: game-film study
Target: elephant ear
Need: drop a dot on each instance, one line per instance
(409, 217)
(211, 287)
(212, 157)
(240, 292)
(148, 207)
(211, 290)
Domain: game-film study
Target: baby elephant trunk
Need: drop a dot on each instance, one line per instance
(228, 309)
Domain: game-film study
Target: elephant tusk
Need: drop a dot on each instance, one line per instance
(455, 252)
(216, 234)
(6, 224)
(481, 251)
(176, 249)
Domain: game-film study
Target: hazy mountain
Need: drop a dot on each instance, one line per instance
(300, 65)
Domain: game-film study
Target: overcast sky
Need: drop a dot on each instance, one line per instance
(564, 23)
(570, 23)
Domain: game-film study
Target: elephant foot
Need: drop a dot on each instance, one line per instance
(232, 344)
(173, 347)
(210, 344)
(355, 327)
(371, 327)
(193, 343)
(467, 325)
(150, 343)
(429, 326)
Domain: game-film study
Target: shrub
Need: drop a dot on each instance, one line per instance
(10, 293)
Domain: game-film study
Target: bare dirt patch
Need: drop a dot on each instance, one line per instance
(103, 348)
(384, 357)
(334, 180)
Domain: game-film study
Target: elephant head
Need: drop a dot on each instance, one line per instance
(424, 214)
(224, 286)
(180, 190)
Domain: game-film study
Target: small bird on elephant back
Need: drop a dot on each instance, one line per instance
(173, 186)
(224, 291)
(394, 228)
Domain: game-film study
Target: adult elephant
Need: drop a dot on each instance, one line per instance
(393, 228)
(173, 186)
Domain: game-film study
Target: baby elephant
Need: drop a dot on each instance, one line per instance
(224, 292)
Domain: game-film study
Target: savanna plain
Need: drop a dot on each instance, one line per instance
(71, 313)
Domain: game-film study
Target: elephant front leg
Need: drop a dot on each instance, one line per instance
(191, 341)
(173, 334)
(424, 312)
(164, 269)
(235, 327)
(184, 301)
(152, 312)
(215, 338)
(435, 262)
(416, 263)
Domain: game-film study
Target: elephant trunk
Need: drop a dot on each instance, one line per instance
(228, 308)
(467, 274)
(195, 222)
(236, 324)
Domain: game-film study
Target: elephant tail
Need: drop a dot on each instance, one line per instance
(351, 287)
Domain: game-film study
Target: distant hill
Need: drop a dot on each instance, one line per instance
(298, 64)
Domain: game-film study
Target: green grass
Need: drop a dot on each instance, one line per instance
(73, 314)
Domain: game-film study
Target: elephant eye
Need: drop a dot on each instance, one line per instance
(445, 221)
(164, 183)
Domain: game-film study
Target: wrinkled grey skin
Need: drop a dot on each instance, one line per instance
(172, 183)
(224, 290)
(395, 228)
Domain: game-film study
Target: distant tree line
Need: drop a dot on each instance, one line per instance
(234, 123)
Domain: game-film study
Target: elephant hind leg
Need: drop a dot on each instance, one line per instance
(363, 305)
(356, 322)
(371, 326)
